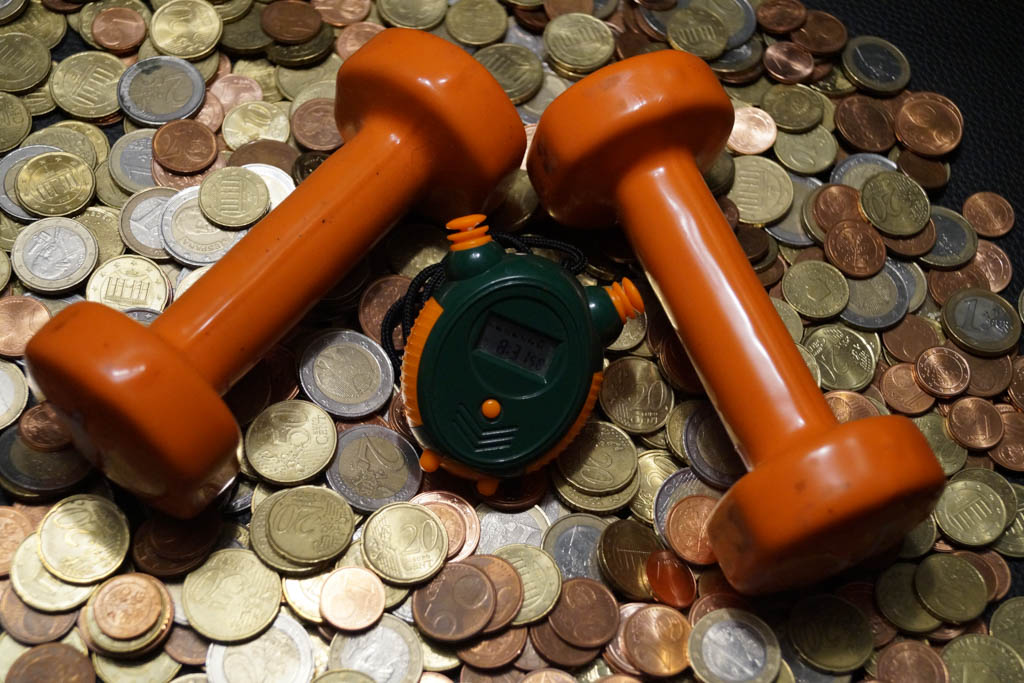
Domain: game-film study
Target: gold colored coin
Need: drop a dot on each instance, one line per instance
(55, 184)
(518, 71)
(127, 646)
(696, 31)
(353, 557)
(598, 505)
(24, 62)
(153, 667)
(806, 153)
(303, 85)
(830, 633)
(920, 539)
(761, 190)
(817, 290)
(622, 553)
(578, 42)
(950, 588)
(254, 121)
(635, 396)
(653, 468)
(96, 137)
(83, 539)
(310, 524)
(15, 121)
(675, 427)
(233, 197)
(542, 580)
(228, 580)
(259, 537)
(895, 204)
(303, 595)
(1007, 623)
(49, 27)
(976, 657)
(600, 460)
(950, 454)
(65, 140)
(35, 585)
(129, 282)
(85, 84)
(898, 602)
(421, 14)
(261, 71)
(107, 191)
(422, 551)
(188, 29)
(290, 442)
(54, 255)
(476, 22)
(970, 513)
(795, 108)
(844, 358)
(1011, 543)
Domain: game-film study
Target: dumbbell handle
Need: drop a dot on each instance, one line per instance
(746, 359)
(256, 293)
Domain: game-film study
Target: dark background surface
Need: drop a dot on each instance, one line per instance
(972, 52)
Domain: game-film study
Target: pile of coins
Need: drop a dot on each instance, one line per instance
(334, 557)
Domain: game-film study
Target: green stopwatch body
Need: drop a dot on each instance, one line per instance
(518, 330)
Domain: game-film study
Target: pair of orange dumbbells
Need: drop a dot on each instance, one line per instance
(425, 125)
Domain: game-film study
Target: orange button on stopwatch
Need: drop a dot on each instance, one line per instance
(490, 409)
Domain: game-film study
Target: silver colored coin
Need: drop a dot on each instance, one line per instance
(734, 645)
(141, 314)
(572, 541)
(731, 12)
(914, 280)
(159, 89)
(877, 302)
(188, 237)
(175, 588)
(856, 169)
(498, 529)
(346, 373)
(279, 183)
(390, 652)
(131, 160)
(713, 456)
(875, 65)
(15, 158)
(517, 35)
(54, 255)
(283, 654)
(803, 672)
(140, 222)
(679, 485)
(48, 473)
(374, 466)
(13, 393)
(789, 230)
(956, 242)
(552, 507)
(403, 610)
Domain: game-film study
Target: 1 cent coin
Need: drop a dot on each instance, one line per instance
(508, 589)
(496, 651)
(51, 662)
(30, 626)
(586, 614)
(290, 22)
(456, 605)
(42, 430)
(671, 580)
(553, 648)
(352, 598)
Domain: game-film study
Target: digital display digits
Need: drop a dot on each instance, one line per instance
(521, 346)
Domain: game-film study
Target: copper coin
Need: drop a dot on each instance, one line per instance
(377, 298)
(353, 37)
(1009, 452)
(989, 376)
(452, 522)
(902, 393)
(907, 340)
(945, 633)
(235, 89)
(787, 62)
(989, 214)
(865, 123)
(549, 676)
(848, 406)
(656, 641)
(127, 606)
(712, 580)
(283, 369)
(146, 558)
(456, 605)
(773, 273)
(290, 21)
(781, 16)
(20, 318)
(991, 260)
(671, 580)
(910, 660)
(686, 528)
(341, 13)
(915, 245)
(753, 131)
(975, 423)
(508, 589)
(980, 461)
(179, 181)
(521, 493)
(615, 650)
(706, 604)
(586, 614)
(494, 652)
(352, 598)
(929, 127)
(678, 369)
(862, 595)
(30, 626)
(34, 513)
(942, 284)
(506, 675)
(1000, 570)
(211, 114)
(313, 124)
(810, 254)
(556, 8)
(942, 372)
(186, 538)
(929, 173)
(729, 210)
(15, 526)
(185, 646)
(855, 247)
(51, 662)
(988, 574)
(119, 29)
(271, 152)
(1016, 388)
(553, 648)
(754, 242)
(835, 203)
(184, 146)
(821, 34)
(61, 6)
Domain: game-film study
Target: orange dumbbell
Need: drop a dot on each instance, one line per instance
(425, 124)
(629, 141)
